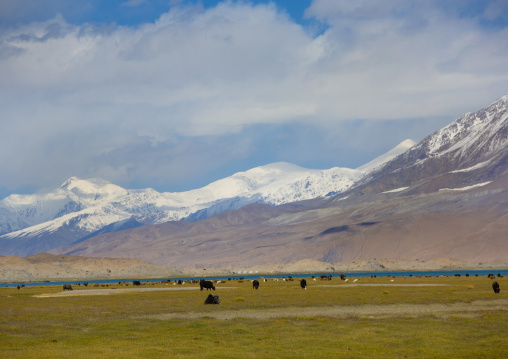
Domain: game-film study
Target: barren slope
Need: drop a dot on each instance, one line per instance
(469, 225)
(44, 266)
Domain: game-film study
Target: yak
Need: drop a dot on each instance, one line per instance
(67, 287)
(495, 286)
(208, 284)
(255, 284)
(212, 299)
(303, 284)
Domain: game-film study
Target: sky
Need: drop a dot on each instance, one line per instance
(173, 95)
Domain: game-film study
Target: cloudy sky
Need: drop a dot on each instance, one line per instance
(175, 94)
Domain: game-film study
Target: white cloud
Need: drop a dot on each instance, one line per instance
(72, 96)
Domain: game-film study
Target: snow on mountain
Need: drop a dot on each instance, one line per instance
(445, 196)
(282, 182)
(467, 188)
(469, 151)
(92, 190)
(73, 196)
(388, 156)
(472, 136)
(83, 207)
(98, 203)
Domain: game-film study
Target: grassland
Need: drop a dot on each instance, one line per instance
(445, 317)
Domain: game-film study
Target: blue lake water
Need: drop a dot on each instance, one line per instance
(480, 273)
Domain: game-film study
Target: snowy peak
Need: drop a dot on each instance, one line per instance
(70, 183)
(388, 156)
(93, 189)
(273, 170)
(472, 136)
(273, 173)
(274, 184)
(264, 175)
(80, 207)
(471, 150)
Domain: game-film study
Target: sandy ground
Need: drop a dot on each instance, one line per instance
(74, 293)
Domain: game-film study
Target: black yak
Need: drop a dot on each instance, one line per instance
(208, 284)
(67, 287)
(495, 286)
(303, 284)
(255, 284)
(212, 299)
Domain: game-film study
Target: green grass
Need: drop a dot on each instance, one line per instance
(139, 325)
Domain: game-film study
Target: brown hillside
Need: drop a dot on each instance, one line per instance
(466, 225)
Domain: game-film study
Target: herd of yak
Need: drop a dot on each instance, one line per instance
(214, 299)
(211, 299)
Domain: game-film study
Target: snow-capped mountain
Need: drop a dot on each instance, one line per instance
(466, 152)
(96, 203)
(378, 162)
(81, 208)
(444, 197)
(473, 137)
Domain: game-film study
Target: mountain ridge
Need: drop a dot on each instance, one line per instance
(434, 200)
(467, 151)
(80, 209)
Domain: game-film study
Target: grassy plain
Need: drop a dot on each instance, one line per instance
(375, 318)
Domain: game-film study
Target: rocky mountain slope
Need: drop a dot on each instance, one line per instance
(81, 209)
(468, 152)
(469, 226)
(445, 197)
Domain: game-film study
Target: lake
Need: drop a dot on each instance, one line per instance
(480, 273)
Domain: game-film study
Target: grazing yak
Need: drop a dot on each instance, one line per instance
(255, 284)
(208, 284)
(212, 299)
(495, 286)
(136, 282)
(303, 284)
(67, 287)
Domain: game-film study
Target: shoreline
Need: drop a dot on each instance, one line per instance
(58, 268)
(301, 274)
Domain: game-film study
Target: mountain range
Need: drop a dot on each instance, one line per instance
(443, 197)
(81, 209)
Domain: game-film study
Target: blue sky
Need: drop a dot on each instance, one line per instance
(176, 94)
(121, 12)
